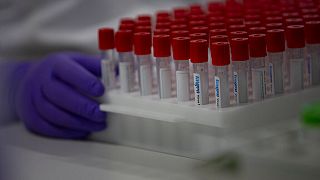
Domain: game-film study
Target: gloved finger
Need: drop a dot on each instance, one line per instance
(36, 124)
(77, 76)
(57, 116)
(91, 63)
(70, 100)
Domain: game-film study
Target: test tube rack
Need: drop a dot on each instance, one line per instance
(165, 125)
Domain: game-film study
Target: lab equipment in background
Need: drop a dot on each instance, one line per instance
(181, 56)
(276, 58)
(220, 54)
(108, 63)
(257, 45)
(142, 50)
(240, 69)
(124, 47)
(295, 54)
(162, 53)
(199, 59)
(312, 29)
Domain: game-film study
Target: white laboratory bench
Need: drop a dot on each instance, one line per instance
(27, 156)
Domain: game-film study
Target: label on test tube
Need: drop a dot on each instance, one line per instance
(296, 74)
(236, 86)
(108, 73)
(271, 78)
(315, 61)
(218, 91)
(126, 76)
(183, 90)
(201, 88)
(258, 83)
(146, 80)
(309, 70)
(165, 83)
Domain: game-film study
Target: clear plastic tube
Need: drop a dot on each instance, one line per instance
(201, 84)
(126, 71)
(108, 65)
(296, 65)
(258, 78)
(164, 77)
(221, 85)
(182, 79)
(274, 72)
(145, 74)
(240, 76)
(313, 61)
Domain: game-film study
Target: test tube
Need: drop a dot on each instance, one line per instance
(199, 59)
(142, 50)
(257, 49)
(181, 55)
(295, 55)
(313, 50)
(276, 58)
(106, 46)
(220, 54)
(124, 46)
(240, 69)
(162, 53)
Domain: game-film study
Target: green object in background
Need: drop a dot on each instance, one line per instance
(311, 116)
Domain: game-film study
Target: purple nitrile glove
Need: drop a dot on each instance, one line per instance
(54, 97)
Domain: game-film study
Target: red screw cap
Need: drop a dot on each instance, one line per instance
(197, 23)
(200, 29)
(240, 49)
(215, 32)
(274, 19)
(217, 25)
(161, 31)
(295, 36)
(124, 40)
(127, 20)
(275, 40)
(106, 38)
(142, 43)
(241, 27)
(312, 29)
(199, 51)
(219, 38)
(163, 13)
(250, 24)
(195, 36)
(294, 21)
(161, 45)
(216, 19)
(127, 27)
(143, 29)
(181, 48)
(163, 25)
(179, 21)
(220, 53)
(311, 17)
(273, 26)
(257, 30)
(238, 34)
(182, 33)
(143, 23)
(177, 27)
(144, 17)
(235, 21)
(257, 45)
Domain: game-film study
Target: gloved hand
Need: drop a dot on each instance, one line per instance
(55, 97)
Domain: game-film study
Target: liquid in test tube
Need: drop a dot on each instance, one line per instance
(295, 54)
(181, 56)
(106, 46)
(162, 53)
(313, 50)
(240, 69)
(142, 50)
(257, 49)
(275, 63)
(124, 47)
(199, 59)
(220, 60)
